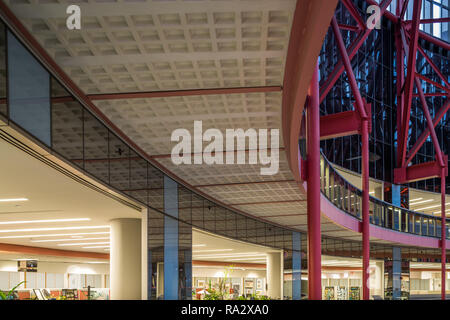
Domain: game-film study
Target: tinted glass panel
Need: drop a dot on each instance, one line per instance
(67, 125)
(29, 91)
(96, 148)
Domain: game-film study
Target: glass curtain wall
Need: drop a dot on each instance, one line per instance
(375, 72)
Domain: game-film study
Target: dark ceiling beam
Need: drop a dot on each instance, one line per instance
(181, 93)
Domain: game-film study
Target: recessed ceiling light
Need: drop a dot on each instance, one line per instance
(81, 244)
(93, 247)
(43, 221)
(53, 229)
(53, 235)
(420, 202)
(13, 200)
(63, 240)
(212, 250)
(430, 207)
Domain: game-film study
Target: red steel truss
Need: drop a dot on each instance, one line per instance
(358, 121)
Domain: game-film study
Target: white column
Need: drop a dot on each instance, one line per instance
(274, 275)
(125, 259)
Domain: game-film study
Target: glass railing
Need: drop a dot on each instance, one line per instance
(348, 198)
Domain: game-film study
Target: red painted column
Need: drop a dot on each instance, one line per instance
(313, 191)
(400, 69)
(443, 235)
(365, 207)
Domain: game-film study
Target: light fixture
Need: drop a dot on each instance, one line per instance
(62, 240)
(430, 207)
(43, 221)
(212, 250)
(420, 202)
(13, 200)
(250, 259)
(52, 235)
(228, 256)
(198, 245)
(93, 247)
(81, 244)
(53, 229)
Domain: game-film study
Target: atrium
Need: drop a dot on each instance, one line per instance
(224, 149)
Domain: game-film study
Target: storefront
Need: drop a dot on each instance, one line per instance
(58, 280)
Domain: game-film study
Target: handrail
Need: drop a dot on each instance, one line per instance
(348, 198)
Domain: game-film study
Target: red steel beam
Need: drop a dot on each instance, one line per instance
(365, 208)
(313, 190)
(418, 172)
(434, 83)
(403, 8)
(433, 66)
(348, 27)
(354, 13)
(426, 132)
(334, 75)
(443, 235)
(433, 40)
(348, 68)
(433, 94)
(409, 82)
(181, 93)
(430, 126)
(339, 125)
(400, 68)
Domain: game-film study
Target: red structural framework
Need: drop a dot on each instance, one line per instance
(358, 121)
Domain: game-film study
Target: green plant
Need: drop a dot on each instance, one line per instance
(221, 293)
(213, 295)
(10, 294)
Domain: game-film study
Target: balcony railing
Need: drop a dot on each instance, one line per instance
(348, 198)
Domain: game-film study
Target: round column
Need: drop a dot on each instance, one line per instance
(125, 259)
(274, 274)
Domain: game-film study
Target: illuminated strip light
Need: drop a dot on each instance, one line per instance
(436, 212)
(229, 256)
(53, 229)
(420, 202)
(13, 200)
(251, 259)
(236, 254)
(81, 244)
(63, 240)
(52, 235)
(43, 221)
(93, 247)
(430, 207)
(198, 245)
(212, 250)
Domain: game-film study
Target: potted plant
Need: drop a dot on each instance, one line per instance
(10, 294)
